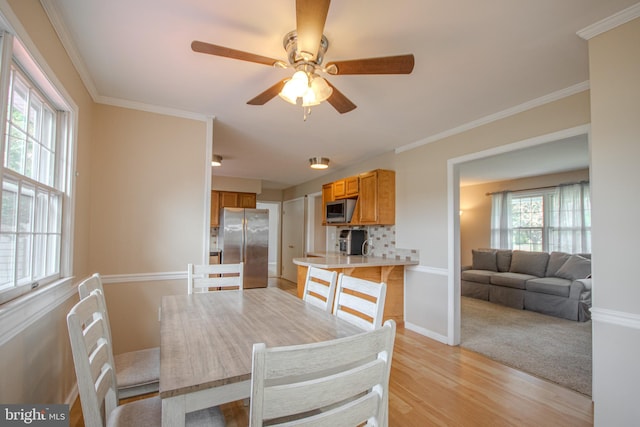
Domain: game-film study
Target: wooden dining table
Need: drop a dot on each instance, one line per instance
(206, 343)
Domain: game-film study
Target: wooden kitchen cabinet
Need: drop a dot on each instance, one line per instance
(215, 208)
(339, 189)
(377, 198)
(247, 200)
(352, 186)
(375, 192)
(232, 199)
(346, 188)
(229, 199)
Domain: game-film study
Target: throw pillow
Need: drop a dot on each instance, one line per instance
(556, 260)
(483, 260)
(503, 258)
(576, 267)
(532, 263)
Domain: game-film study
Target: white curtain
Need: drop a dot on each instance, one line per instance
(501, 233)
(570, 219)
(567, 219)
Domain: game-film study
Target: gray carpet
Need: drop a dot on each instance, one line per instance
(555, 349)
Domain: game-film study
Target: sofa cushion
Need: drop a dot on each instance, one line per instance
(549, 285)
(526, 262)
(503, 258)
(511, 280)
(479, 276)
(576, 267)
(484, 260)
(556, 259)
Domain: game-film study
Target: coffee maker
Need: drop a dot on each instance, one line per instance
(351, 242)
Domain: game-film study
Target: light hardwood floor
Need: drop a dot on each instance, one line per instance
(433, 384)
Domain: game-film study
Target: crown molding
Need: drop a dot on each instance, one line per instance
(51, 9)
(134, 105)
(53, 13)
(537, 102)
(611, 22)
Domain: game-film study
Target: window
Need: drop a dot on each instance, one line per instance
(35, 190)
(527, 213)
(549, 219)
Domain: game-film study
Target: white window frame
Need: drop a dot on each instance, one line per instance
(544, 194)
(56, 287)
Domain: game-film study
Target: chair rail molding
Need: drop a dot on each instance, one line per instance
(144, 277)
(614, 317)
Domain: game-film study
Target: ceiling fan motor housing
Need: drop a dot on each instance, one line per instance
(290, 43)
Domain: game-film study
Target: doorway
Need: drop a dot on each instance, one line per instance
(459, 213)
(293, 214)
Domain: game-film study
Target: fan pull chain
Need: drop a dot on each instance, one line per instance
(306, 113)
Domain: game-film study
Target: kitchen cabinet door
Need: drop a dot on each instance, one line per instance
(215, 208)
(327, 196)
(339, 189)
(351, 186)
(229, 199)
(368, 198)
(247, 200)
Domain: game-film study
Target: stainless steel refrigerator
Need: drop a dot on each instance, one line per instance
(244, 237)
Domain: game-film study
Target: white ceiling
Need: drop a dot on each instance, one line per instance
(473, 59)
(563, 155)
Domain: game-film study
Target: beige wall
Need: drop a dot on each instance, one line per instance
(614, 67)
(421, 178)
(148, 210)
(36, 365)
(475, 221)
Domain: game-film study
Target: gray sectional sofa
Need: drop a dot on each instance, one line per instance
(556, 283)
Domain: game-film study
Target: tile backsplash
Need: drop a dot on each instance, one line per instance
(382, 243)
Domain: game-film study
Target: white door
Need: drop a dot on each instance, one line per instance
(292, 237)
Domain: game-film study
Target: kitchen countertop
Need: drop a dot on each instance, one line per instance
(339, 261)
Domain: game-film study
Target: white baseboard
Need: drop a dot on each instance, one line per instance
(426, 332)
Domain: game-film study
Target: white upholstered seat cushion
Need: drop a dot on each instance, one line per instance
(148, 412)
(136, 368)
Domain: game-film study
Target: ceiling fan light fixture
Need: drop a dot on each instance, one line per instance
(216, 160)
(295, 87)
(319, 163)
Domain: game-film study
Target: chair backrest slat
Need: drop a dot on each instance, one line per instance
(200, 278)
(319, 288)
(338, 382)
(360, 301)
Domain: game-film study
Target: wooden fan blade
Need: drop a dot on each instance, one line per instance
(401, 64)
(340, 102)
(310, 18)
(212, 49)
(268, 94)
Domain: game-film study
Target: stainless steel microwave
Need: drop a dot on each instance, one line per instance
(340, 211)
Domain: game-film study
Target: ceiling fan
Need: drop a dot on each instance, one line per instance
(306, 46)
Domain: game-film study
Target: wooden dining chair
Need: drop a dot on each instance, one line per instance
(94, 365)
(137, 372)
(360, 301)
(339, 382)
(204, 278)
(320, 288)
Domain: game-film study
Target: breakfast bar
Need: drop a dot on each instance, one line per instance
(388, 270)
